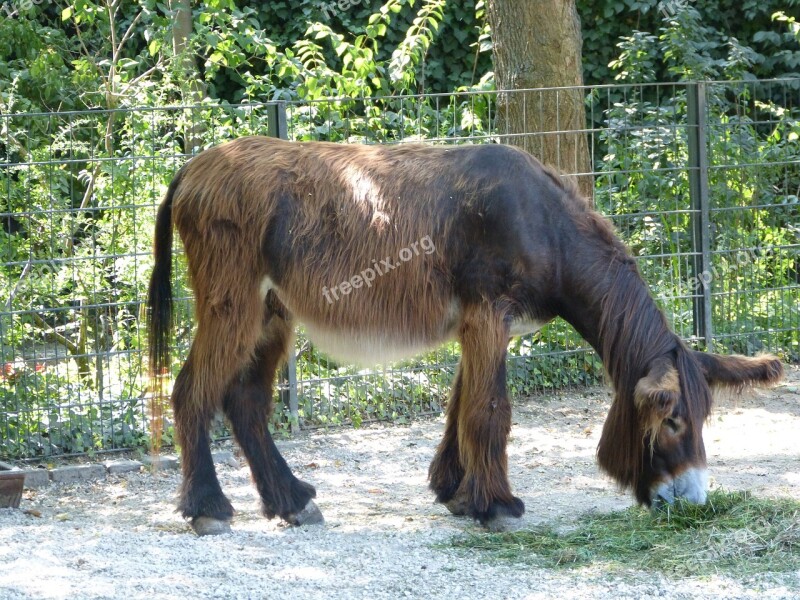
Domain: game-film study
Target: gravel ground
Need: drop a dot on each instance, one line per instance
(384, 537)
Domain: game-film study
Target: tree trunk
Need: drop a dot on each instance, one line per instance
(192, 89)
(537, 44)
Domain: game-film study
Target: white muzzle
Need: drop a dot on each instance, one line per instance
(692, 485)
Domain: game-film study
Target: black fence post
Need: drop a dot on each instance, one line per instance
(277, 127)
(701, 217)
(276, 120)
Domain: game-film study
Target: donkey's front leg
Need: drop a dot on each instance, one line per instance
(484, 417)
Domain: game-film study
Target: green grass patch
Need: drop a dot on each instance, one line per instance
(734, 533)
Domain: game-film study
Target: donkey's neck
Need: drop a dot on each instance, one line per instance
(609, 304)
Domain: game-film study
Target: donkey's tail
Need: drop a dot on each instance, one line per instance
(159, 308)
(159, 294)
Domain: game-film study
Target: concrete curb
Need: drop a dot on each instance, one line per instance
(38, 478)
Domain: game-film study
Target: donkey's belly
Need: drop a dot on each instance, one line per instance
(365, 348)
(374, 341)
(369, 339)
(525, 326)
(368, 348)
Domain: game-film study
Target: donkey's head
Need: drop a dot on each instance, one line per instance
(655, 444)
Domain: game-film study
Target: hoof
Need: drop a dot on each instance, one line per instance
(310, 515)
(458, 505)
(503, 523)
(208, 526)
(502, 516)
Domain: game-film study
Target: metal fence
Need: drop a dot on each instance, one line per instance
(701, 180)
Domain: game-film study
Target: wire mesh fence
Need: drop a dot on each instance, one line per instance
(701, 180)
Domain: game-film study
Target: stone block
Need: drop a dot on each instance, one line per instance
(160, 463)
(36, 478)
(116, 467)
(74, 473)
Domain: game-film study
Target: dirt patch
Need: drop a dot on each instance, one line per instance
(384, 537)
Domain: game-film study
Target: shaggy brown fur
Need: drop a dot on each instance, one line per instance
(271, 227)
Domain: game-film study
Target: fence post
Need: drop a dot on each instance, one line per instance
(277, 127)
(276, 120)
(700, 215)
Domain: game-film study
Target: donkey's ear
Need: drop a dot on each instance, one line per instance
(657, 393)
(740, 371)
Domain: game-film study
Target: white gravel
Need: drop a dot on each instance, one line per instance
(384, 538)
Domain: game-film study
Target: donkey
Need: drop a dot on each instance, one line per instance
(386, 251)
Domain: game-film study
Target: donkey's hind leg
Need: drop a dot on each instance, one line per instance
(201, 498)
(446, 470)
(228, 329)
(484, 418)
(196, 398)
(248, 406)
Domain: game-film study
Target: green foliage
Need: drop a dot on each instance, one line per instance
(452, 58)
(753, 183)
(353, 65)
(62, 56)
(31, 71)
(731, 26)
(74, 273)
(47, 411)
(84, 56)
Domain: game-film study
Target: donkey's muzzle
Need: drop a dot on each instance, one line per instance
(691, 485)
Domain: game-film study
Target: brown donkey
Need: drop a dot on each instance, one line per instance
(385, 251)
